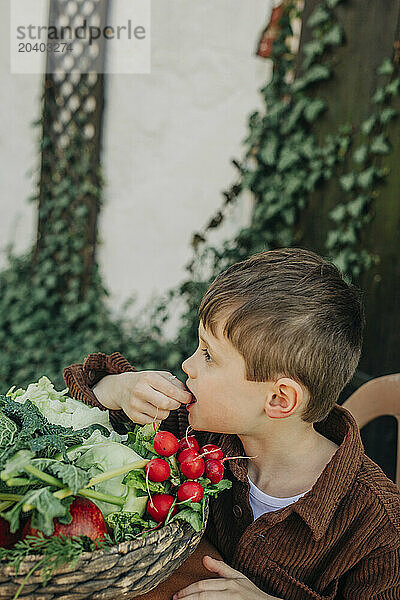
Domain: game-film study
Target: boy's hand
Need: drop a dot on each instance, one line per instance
(231, 583)
(142, 395)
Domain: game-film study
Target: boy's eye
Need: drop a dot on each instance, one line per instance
(207, 356)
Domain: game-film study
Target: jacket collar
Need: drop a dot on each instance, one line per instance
(318, 506)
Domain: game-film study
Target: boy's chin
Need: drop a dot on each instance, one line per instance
(193, 422)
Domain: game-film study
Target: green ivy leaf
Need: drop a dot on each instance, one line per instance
(366, 177)
(335, 36)
(308, 148)
(379, 95)
(348, 236)
(294, 115)
(268, 151)
(293, 185)
(318, 73)
(386, 67)
(387, 115)
(318, 17)
(348, 181)
(332, 239)
(314, 74)
(287, 159)
(314, 109)
(356, 207)
(299, 84)
(340, 262)
(360, 154)
(313, 179)
(393, 87)
(289, 216)
(311, 50)
(368, 125)
(332, 3)
(338, 213)
(380, 145)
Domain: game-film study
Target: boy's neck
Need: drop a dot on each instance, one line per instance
(289, 463)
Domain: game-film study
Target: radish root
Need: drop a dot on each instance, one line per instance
(154, 420)
(148, 489)
(232, 457)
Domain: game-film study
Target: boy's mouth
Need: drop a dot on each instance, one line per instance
(193, 400)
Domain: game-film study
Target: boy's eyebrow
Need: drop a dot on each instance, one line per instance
(209, 345)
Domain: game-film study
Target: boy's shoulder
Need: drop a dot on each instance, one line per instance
(378, 495)
(359, 494)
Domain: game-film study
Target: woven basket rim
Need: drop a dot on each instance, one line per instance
(123, 547)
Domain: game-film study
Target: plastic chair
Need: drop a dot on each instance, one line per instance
(377, 398)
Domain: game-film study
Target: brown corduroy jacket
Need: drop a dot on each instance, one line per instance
(339, 541)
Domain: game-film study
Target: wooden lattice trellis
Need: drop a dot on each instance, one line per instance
(73, 102)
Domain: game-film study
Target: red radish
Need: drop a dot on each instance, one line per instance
(190, 490)
(214, 470)
(193, 468)
(165, 443)
(87, 519)
(187, 453)
(158, 469)
(158, 506)
(213, 452)
(189, 442)
(7, 539)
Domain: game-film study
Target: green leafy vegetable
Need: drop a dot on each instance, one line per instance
(8, 431)
(16, 465)
(58, 408)
(71, 475)
(127, 525)
(103, 457)
(141, 441)
(137, 479)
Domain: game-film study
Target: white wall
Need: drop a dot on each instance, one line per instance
(168, 140)
(19, 105)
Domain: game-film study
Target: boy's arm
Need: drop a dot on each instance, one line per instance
(376, 577)
(82, 378)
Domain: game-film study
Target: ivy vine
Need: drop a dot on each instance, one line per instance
(53, 310)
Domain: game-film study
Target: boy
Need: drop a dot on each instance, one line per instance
(308, 516)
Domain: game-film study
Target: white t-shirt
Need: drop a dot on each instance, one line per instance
(262, 503)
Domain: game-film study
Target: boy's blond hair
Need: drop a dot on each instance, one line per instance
(290, 313)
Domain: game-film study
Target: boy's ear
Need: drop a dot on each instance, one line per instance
(284, 398)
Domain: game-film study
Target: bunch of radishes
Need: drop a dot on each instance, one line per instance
(193, 465)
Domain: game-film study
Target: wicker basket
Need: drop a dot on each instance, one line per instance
(125, 571)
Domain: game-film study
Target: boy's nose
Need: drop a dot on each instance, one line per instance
(186, 367)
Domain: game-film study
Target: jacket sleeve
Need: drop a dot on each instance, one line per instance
(80, 379)
(375, 577)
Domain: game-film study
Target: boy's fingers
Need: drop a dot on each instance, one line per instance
(154, 411)
(149, 394)
(174, 388)
(166, 399)
(138, 417)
